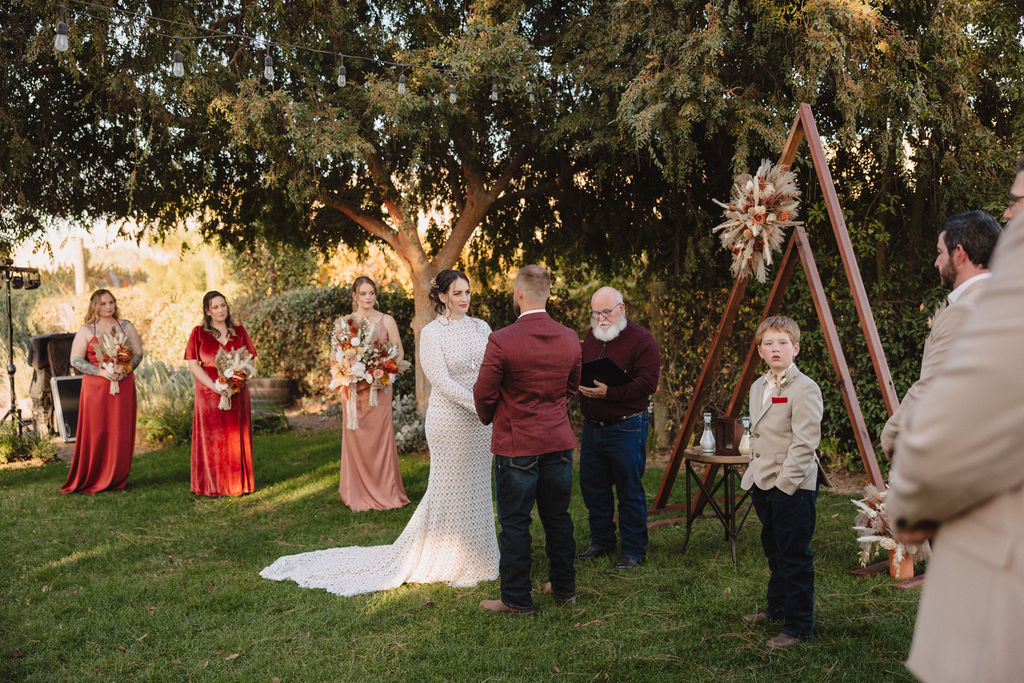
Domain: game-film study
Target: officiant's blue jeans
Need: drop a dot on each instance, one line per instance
(616, 455)
(520, 482)
(787, 526)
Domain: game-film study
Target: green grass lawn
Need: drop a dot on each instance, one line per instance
(154, 583)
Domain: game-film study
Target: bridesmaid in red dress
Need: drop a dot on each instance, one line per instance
(370, 478)
(221, 439)
(105, 436)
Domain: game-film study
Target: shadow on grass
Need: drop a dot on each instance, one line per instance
(157, 584)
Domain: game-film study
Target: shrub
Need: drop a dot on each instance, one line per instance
(24, 446)
(166, 397)
(39, 446)
(269, 421)
(410, 436)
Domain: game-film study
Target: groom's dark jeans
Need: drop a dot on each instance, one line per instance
(547, 480)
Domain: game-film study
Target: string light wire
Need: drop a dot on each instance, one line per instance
(266, 44)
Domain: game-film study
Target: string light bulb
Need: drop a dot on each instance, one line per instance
(60, 40)
(268, 66)
(62, 32)
(177, 61)
(342, 74)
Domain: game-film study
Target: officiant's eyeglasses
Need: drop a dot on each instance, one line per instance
(606, 313)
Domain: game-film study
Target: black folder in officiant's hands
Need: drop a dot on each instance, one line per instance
(604, 370)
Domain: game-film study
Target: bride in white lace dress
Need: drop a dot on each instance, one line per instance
(451, 536)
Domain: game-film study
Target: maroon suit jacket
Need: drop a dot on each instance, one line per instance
(529, 370)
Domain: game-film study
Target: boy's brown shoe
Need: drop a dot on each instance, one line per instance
(497, 606)
(759, 618)
(559, 599)
(782, 640)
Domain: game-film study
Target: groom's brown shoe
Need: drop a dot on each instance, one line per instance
(497, 606)
(559, 599)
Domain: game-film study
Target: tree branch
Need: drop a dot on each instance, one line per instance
(389, 193)
(115, 103)
(372, 225)
(480, 200)
(407, 247)
(471, 170)
(542, 190)
(514, 165)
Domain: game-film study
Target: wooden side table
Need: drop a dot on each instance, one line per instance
(732, 467)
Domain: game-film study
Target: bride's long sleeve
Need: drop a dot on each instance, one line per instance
(435, 369)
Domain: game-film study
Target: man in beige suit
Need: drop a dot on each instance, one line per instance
(959, 474)
(782, 477)
(965, 244)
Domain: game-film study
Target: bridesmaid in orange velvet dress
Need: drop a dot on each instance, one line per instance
(370, 478)
(221, 439)
(105, 436)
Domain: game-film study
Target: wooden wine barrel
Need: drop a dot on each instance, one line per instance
(272, 391)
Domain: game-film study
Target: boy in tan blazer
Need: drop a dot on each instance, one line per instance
(785, 410)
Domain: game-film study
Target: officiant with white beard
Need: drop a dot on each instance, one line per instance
(613, 452)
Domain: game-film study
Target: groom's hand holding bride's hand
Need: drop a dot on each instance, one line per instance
(599, 390)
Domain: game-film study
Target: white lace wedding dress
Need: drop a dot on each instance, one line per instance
(451, 536)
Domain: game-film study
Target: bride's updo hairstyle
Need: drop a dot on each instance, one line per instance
(441, 284)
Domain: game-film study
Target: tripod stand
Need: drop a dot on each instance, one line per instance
(16, 278)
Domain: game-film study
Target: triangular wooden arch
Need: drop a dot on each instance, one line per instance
(803, 126)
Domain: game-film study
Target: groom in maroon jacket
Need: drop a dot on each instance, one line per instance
(529, 370)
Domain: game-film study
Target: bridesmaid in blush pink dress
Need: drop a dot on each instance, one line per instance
(370, 478)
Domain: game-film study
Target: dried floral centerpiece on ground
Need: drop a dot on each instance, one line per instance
(876, 532)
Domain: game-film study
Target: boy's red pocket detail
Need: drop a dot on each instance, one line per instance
(779, 399)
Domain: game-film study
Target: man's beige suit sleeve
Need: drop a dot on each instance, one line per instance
(936, 350)
(963, 441)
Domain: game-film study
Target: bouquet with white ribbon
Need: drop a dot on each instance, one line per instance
(234, 368)
(115, 355)
(358, 356)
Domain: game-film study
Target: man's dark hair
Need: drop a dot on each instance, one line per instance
(976, 231)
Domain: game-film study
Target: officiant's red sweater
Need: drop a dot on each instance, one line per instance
(635, 351)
